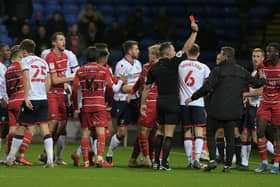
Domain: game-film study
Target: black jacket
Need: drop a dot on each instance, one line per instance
(225, 85)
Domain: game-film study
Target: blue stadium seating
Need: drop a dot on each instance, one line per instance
(107, 10)
(70, 9)
(37, 8)
(71, 18)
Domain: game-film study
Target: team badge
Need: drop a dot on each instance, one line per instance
(179, 54)
(52, 65)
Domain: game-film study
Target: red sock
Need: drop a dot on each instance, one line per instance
(85, 147)
(204, 148)
(136, 149)
(262, 148)
(152, 139)
(276, 156)
(26, 141)
(100, 144)
(143, 144)
(9, 140)
(161, 154)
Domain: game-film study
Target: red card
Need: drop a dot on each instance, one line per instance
(192, 19)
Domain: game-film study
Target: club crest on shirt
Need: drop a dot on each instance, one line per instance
(51, 65)
(179, 54)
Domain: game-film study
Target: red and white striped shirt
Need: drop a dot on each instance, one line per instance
(14, 82)
(92, 79)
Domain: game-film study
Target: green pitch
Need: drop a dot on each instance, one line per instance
(123, 176)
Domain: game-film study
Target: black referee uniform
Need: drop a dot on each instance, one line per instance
(165, 75)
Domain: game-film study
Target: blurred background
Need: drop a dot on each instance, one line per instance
(243, 24)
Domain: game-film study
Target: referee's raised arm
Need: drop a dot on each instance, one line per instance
(189, 43)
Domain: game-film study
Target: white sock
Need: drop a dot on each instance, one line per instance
(93, 143)
(79, 151)
(188, 149)
(113, 145)
(16, 143)
(269, 147)
(48, 143)
(198, 148)
(60, 146)
(244, 155)
(249, 148)
(276, 164)
(265, 162)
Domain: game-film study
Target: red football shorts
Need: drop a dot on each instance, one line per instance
(150, 119)
(270, 112)
(57, 107)
(94, 119)
(109, 117)
(13, 111)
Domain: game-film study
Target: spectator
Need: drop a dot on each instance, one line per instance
(25, 33)
(75, 41)
(92, 35)
(56, 23)
(134, 26)
(91, 15)
(164, 27)
(41, 40)
(114, 36)
(19, 12)
(38, 21)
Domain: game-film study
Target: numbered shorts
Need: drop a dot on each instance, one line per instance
(192, 116)
(126, 113)
(270, 112)
(94, 119)
(39, 114)
(13, 112)
(150, 119)
(57, 107)
(250, 118)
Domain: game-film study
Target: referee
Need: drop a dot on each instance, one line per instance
(165, 75)
(225, 85)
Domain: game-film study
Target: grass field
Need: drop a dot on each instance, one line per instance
(121, 175)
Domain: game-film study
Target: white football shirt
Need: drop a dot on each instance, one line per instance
(3, 89)
(192, 75)
(132, 71)
(38, 70)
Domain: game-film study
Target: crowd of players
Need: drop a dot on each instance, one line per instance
(38, 90)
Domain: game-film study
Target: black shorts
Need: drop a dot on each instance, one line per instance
(126, 113)
(4, 116)
(167, 111)
(192, 116)
(250, 119)
(38, 115)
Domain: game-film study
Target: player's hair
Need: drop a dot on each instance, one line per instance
(101, 45)
(28, 45)
(194, 50)
(276, 45)
(91, 54)
(154, 49)
(229, 52)
(2, 45)
(54, 36)
(256, 50)
(165, 48)
(15, 50)
(101, 53)
(127, 45)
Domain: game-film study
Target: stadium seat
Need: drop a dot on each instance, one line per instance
(71, 18)
(123, 10)
(5, 39)
(70, 9)
(115, 56)
(51, 8)
(107, 10)
(65, 2)
(146, 43)
(108, 20)
(37, 8)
